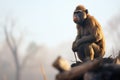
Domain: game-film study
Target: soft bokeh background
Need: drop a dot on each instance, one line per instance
(44, 29)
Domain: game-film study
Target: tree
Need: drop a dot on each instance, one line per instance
(14, 45)
(14, 48)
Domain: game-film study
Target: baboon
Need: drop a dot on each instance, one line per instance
(90, 41)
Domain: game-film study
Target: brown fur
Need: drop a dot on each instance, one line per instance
(90, 41)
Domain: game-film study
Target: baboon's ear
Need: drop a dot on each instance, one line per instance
(86, 11)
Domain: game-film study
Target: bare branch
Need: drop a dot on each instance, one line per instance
(8, 39)
(11, 35)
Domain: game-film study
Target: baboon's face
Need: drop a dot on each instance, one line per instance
(79, 16)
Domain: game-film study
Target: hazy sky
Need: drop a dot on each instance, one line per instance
(50, 21)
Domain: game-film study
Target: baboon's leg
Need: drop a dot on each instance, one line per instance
(80, 52)
(92, 51)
